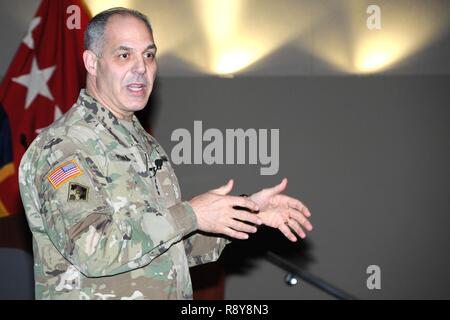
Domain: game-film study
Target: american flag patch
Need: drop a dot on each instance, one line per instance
(63, 173)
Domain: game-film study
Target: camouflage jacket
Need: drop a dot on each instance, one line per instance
(104, 225)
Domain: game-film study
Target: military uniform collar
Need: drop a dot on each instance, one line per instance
(96, 110)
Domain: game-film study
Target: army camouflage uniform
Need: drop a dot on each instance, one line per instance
(104, 225)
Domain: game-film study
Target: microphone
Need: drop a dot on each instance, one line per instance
(158, 164)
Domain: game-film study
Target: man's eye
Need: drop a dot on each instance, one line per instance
(124, 56)
(149, 55)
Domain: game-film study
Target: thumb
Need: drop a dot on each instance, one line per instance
(279, 188)
(225, 189)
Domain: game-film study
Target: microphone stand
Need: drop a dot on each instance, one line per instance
(308, 277)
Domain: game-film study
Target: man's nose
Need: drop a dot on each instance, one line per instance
(139, 66)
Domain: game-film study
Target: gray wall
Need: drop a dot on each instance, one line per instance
(368, 155)
(15, 19)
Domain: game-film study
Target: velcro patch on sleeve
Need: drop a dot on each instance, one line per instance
(63, 173)
(77, 192)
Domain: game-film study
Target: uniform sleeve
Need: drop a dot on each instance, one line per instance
(102, 238)
(202, 248)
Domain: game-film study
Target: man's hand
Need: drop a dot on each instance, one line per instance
(215, 213)
(282, 212)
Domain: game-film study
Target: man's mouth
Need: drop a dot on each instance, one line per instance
(136, 89)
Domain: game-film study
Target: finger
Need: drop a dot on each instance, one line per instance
(246, 216)
(243, 202)
(295, 226)
(300, 218)
(287, 232)
(235, 234)
(225, 189)
(297, 204)
(241, 226)
(306, 211)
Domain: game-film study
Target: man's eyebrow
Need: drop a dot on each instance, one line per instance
(150, 46)
(125, 48)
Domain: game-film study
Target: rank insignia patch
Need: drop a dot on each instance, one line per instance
(63, 173)
(77, 192)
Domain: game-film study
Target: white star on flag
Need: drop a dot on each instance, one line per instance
(58, 114)
(28, 40)
(36, 82)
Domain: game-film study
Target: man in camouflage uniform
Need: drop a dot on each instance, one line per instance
(102, 200)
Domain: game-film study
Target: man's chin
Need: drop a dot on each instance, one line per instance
(136, 104)
(136, 107)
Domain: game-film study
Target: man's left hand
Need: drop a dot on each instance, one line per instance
(279, 211)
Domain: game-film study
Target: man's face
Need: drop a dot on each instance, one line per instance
(126, 69)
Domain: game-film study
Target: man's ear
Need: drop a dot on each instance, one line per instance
(90, 62)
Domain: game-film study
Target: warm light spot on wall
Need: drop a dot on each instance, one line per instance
(232, 61)
(376, 56)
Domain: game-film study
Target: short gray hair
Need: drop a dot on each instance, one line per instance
(93, 37)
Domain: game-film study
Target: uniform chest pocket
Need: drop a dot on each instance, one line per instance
(128, 178)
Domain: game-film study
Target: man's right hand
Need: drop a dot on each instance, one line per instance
(215, 213)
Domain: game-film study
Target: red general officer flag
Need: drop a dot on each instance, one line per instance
(42, 82)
